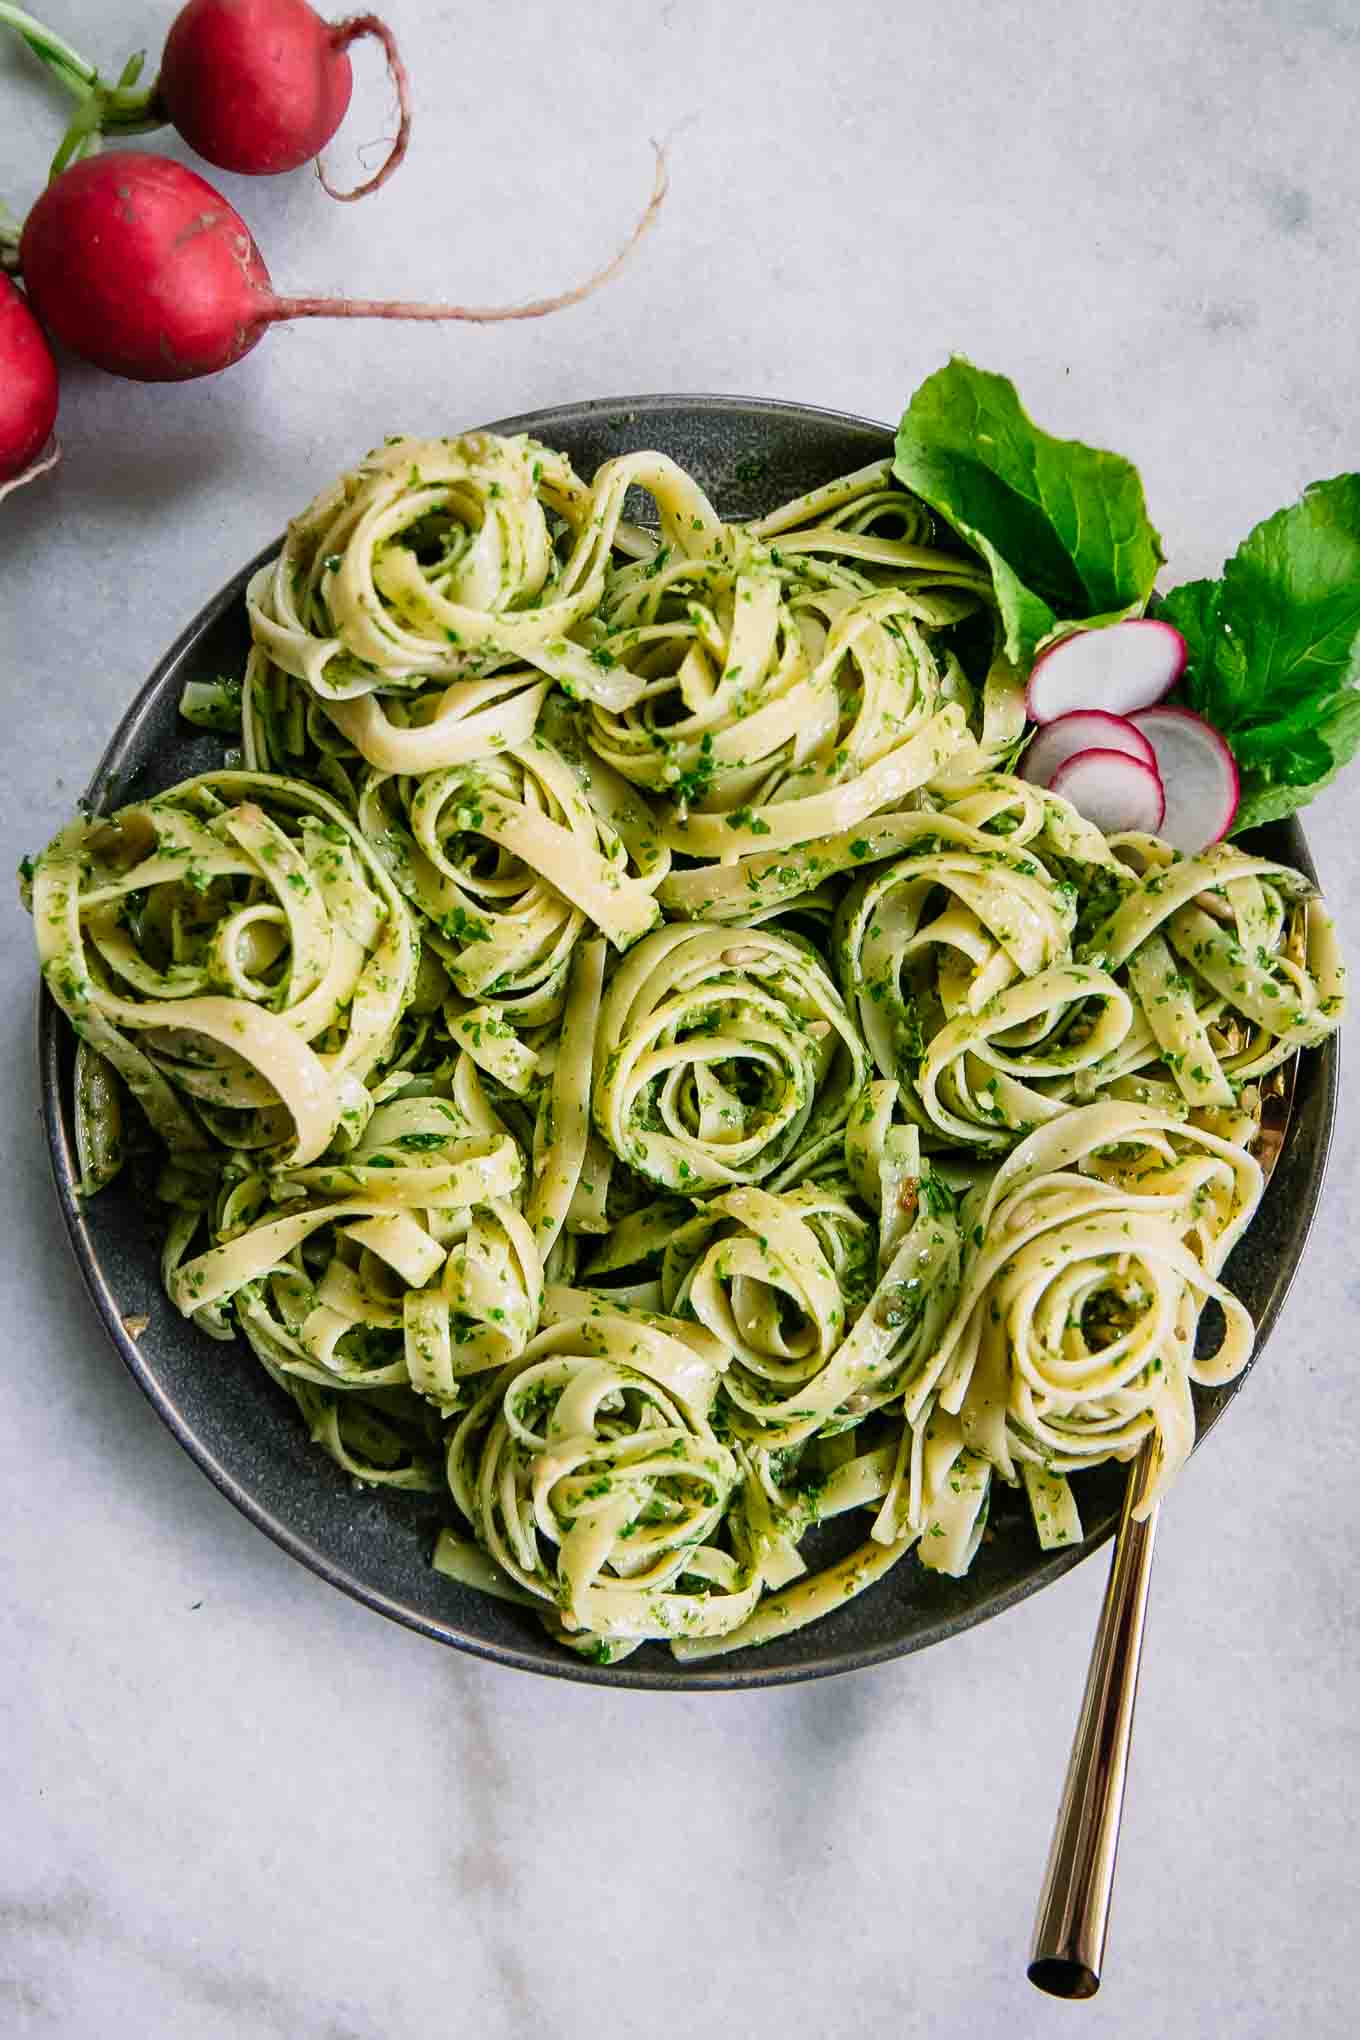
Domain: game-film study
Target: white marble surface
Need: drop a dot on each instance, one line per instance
(234, 1805)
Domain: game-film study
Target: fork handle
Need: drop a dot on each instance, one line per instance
(1074, 1908)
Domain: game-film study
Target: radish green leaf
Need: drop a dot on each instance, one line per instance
(1063, 526)
(1275, 649)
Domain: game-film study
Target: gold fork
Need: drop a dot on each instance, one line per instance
(1074, 1907)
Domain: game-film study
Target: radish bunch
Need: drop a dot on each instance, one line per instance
(1108, 742)
(136, 263)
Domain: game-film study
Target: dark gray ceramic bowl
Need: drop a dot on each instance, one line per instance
(749, 454)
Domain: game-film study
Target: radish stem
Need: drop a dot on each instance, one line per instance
(49, 48)
(10, 230)
(119, 109)
(354, 30)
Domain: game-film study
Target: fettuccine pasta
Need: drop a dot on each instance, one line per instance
(626, 1053)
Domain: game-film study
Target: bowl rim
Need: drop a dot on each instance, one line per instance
(552, 1661)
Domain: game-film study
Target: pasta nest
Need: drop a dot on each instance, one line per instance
(795, 674)
(434, 557)
(236, 953)
(594, 1480)
(715, 1059)
(403, 1268)
(508, 861)
(1001, 979)
(1091, 1255)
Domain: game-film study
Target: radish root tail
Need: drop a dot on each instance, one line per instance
(48, 458)
(354, 30)
(478, 315)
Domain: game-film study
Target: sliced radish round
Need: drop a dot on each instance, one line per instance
(1086, 729)
(1112, 790)
(1198, 772)
(1119, 668)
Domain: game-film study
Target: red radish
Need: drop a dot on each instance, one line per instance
(257, 86)
(260, 86)
(1113, 790)
(1086, 729)
(28, 389)
(1118, 667)
(138, 265)
(1199, 773)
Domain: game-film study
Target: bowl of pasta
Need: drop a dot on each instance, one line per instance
(598, 1107)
